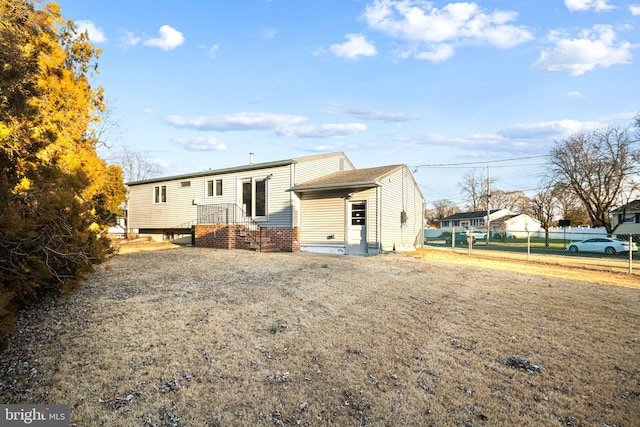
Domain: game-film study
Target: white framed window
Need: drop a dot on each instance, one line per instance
(160, 194)
(254, 197)
(214, 188)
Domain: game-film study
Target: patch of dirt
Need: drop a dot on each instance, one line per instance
(124, 247)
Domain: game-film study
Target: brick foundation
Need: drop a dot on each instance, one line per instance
(287, 239)
(216, 236)
(220, 236)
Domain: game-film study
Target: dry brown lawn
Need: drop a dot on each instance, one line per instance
(195, 337)
(596, 270)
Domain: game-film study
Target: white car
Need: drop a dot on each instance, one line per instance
(479, 235)
(601, 244)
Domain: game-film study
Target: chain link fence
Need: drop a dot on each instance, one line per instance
(586, 247)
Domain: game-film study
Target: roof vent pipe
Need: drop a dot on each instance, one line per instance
(250, 158)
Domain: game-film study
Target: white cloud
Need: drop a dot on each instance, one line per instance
(282, 125)
(329, 130)
(548, 130)
(96, 34)
(336, 146)
(434, 32)
(211, 50)
(128, 38)
(583, 5)
(169, 39)
(576, 94)
(436, 53)
(473, 144)
(200, 143)
(594, 48)
(635, 9)
(238, 121)
(369, 114)
(356, 45)
(630, 116)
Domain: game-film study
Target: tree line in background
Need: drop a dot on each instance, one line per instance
(57, 196)
(588, 175)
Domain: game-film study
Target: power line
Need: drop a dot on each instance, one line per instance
(441, 165)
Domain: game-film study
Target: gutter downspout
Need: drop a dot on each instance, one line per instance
(424, 207)
(294, 206)
(295, 214)
(379, 218)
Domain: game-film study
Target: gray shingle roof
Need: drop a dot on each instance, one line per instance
(632, 206)
(368, 177)
(468, 215)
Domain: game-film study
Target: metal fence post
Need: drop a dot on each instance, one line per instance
(453, 239)
(528, 245)
(630, 254)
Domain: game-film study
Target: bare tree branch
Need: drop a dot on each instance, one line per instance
(598, 167)
(474, 187)
(136, 166)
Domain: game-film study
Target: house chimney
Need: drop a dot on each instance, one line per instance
(250, 158)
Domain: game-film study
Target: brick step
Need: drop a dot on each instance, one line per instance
(270, 249)
(265, 247)
(251, 237)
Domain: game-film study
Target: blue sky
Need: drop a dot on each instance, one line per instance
(200, 84)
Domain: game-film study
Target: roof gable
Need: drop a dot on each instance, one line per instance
(507, 218)
(324, 156)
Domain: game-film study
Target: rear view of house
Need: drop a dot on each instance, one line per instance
(318, 204)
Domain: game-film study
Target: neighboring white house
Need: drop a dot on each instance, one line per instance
(625, 220)
(518, 226)
(502, 222)
(317, 203)
(476, 220)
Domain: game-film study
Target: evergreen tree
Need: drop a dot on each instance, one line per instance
(56, 195)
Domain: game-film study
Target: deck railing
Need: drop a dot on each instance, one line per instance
(225, 213)
(230, 214)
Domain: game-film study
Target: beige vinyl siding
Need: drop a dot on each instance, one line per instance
(371, 197)
(322, 215)
(310, 169)
(178, 211)
(317, 167)
(400, 193)
(229, 190)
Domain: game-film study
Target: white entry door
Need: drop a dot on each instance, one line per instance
(357, 228)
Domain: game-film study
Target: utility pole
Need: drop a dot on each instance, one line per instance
(488, 204)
